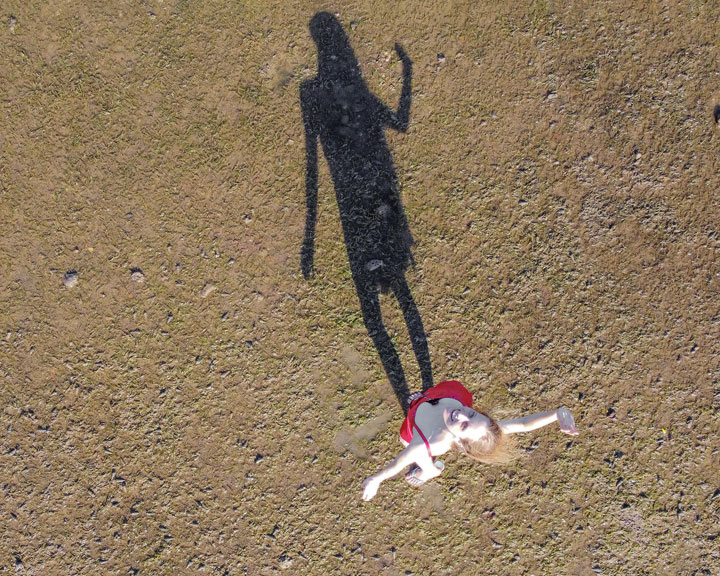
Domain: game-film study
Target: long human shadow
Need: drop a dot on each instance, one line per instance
(349, 121)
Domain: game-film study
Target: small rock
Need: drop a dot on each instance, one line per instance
(385, 210)
(441, 57)
(70, 279)
(137, 275)
(259, 458)
(207, 290)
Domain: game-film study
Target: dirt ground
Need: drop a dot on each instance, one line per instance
(178, 399)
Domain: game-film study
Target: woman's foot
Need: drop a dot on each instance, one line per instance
(412, 479)
(414, 397)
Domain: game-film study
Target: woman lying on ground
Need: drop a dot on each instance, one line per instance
(442, 419)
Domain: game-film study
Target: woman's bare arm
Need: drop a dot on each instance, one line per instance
(540, 419)
(412, 454)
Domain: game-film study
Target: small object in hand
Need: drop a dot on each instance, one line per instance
(567, 422)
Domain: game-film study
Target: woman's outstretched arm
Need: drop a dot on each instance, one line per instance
(307, 252)
(535, 421)
(413, 453)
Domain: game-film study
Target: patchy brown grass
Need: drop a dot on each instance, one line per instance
(560, 177)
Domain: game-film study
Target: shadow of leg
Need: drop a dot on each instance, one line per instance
(415, 328)
(372, 316)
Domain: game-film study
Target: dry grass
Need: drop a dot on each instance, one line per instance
(560, 176)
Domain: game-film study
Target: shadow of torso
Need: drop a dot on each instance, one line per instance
(350, 123)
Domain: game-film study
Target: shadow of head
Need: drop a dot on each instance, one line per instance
(335, 54)
(326, 30)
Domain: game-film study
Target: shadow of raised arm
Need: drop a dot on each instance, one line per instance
(400, 120)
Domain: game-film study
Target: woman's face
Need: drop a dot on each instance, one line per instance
(466, 424)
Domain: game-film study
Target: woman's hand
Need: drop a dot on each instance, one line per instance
(567, 422)
(370, 487)
(412, 453)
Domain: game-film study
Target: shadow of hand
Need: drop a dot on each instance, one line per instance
(405, 59)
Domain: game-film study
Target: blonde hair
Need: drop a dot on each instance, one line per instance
(495, 448)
